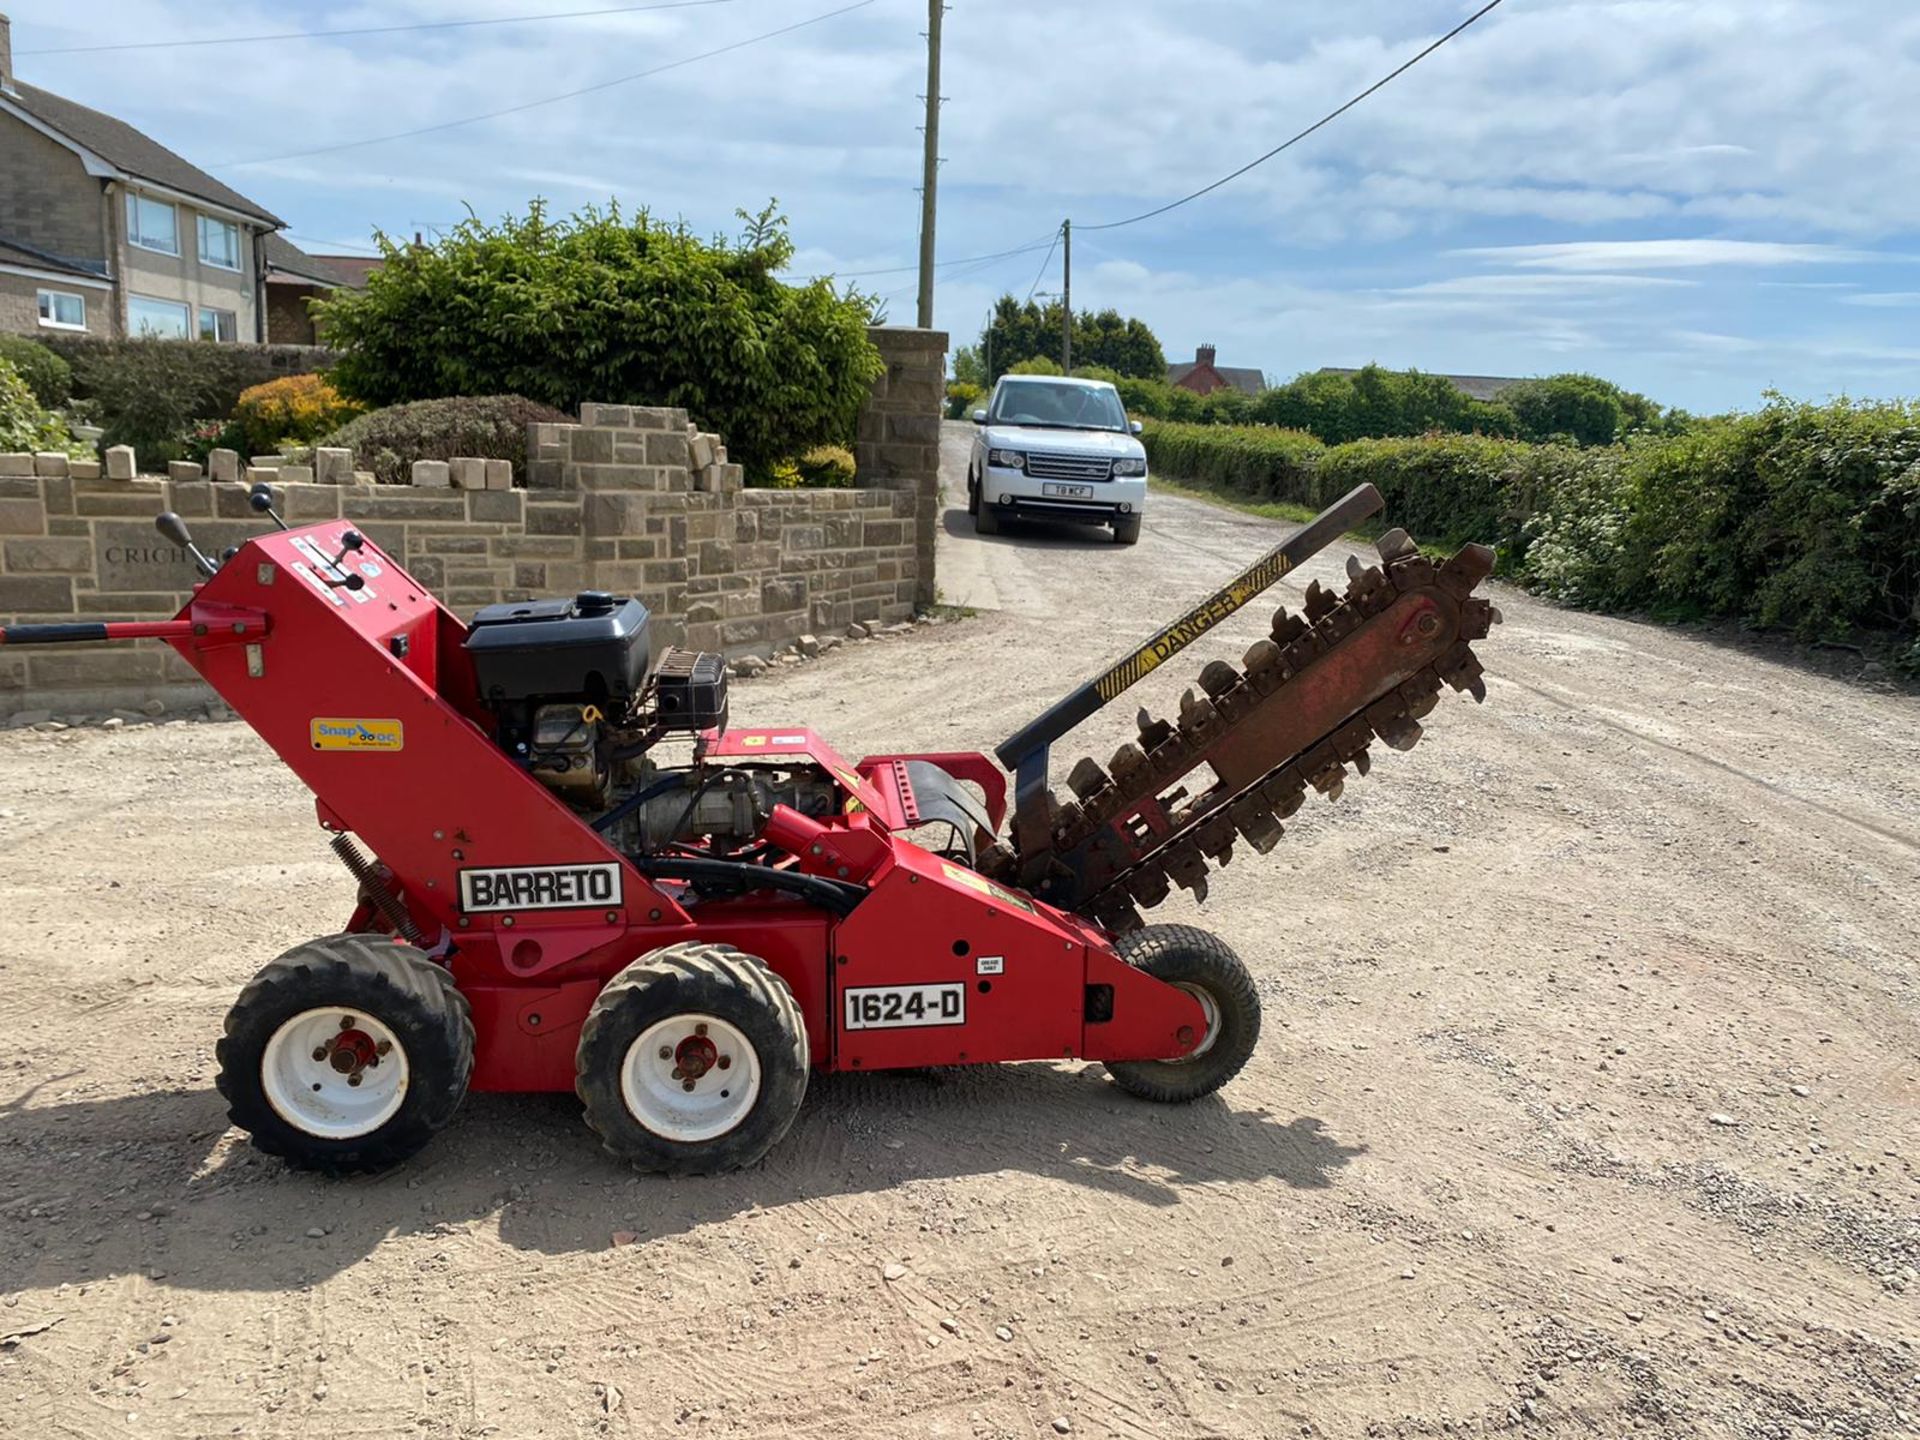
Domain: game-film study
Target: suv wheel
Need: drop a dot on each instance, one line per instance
(1126, 529)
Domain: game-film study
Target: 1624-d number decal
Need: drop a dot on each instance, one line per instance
(893, 1007)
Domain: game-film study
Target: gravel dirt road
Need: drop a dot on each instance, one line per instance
(1589, 1099)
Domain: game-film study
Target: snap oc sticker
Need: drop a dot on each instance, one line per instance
(328, 733)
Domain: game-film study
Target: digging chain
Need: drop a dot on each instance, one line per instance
(1352, 668)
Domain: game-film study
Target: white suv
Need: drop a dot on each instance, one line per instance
(1051, 448)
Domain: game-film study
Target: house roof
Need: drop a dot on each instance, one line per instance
(1243, 378)
(17, 252)
(287, 263)
(354, 269)
(127, 150)
(1480, 387)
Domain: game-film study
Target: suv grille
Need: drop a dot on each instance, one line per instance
(1045, 466)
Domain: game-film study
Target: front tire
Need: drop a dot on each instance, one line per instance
(986, 519)
(973, 496)
(693, 1061)
(347, 1054)
(1126, 529)
(1203, 966)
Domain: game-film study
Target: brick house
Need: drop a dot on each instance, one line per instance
(1204, 376)
(295, 278)
(104, 231)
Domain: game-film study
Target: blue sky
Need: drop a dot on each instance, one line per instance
(1700, 199)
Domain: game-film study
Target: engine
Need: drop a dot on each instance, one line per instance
(582, 702)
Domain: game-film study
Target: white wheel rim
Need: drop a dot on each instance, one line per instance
(716, 1058)
(309, 1067)
(1211, 1011)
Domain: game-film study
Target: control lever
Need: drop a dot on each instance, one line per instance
(261, 499)
(350, 544)
(173, 528)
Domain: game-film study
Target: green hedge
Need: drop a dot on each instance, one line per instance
(47, 375)
(1804, 517)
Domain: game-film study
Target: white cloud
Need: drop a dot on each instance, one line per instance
(1593, 255)
(1884, 299)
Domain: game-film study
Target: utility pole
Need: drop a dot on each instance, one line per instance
(1066, 297)
(930, 170)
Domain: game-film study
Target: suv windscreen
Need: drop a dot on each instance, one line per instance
(1071, 407)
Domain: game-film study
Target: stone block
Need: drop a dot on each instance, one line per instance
(185, 470)
(667, 447)
(467, 472)
(365, 477)
(261, 475)
(52, 463)
(119, 462)
(223, 465)
(700, 451)
(267, 462)
(295, 474)
(332, 466)
(36, 595)
(16, 462)
(48, 556)
(432, 473)
(22, 517)
(499, 474)
(590, 446)
(554, 520)
(84, 469)
(499, 507)
(615, 416)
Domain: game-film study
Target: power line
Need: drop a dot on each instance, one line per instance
(1043, 267)
(370, 29)
(1295, 140)
(549, 99)
(1031, 247)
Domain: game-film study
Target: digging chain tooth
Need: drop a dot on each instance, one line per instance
(1069, 824)
(1477, 618)
(1197, 716)
(1287, 627)
(1362, 760)
(1112, 912)
(1263, 668)
(1394, 544)
(1461, 669)
(1153, 733)
(1087, 779)
(1255, 821)
(1217, 677)
(1188, 868)
(1318, 602)
(1128, 761)
(1216, 837)
(1148, 885)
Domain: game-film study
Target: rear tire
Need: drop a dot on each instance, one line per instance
(973, 497)
(385, 1016)
(1126, 529)
(986, 519)
(710, 1014)
(1206, 968)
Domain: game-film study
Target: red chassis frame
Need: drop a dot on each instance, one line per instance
(369, 697)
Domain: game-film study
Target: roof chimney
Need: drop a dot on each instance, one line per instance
(1204, 355)
(6, 54)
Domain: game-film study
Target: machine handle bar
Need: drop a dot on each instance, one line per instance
(81, 632)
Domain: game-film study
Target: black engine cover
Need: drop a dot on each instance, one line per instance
(594, 648)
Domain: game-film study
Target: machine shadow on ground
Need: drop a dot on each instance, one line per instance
(219, 1216)
(959, 524)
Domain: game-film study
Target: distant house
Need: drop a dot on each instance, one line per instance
(1203, 376)
(104, 231)
(1479, 387)
(294, 278)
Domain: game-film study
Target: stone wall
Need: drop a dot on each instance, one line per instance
(898, 442)
(630, 500)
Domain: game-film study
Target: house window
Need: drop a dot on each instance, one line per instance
(166, 319)
(61, 310)
(151, 225)
(219, 243)
(218, 325)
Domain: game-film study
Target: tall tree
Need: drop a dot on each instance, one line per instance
(1019, 332)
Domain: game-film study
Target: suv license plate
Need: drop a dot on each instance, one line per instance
(1068, 492)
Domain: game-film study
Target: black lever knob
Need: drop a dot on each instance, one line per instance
(174, 528)
(350, 540)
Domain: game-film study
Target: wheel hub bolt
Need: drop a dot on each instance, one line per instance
(319, 1052)
(666, 1052)
(354, 1079)
(346, 1022)
(725, 1061)
(686, 1084)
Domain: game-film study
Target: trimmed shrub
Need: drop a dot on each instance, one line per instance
(828, 467)
(47, 375)
(214, 374)
(962, 399)
(1443, 487)
(1255, 461)
(599, 307)
(493, 427)
(294, 410)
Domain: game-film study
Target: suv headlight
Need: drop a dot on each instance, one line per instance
(1006, 459)
(1129, 469)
